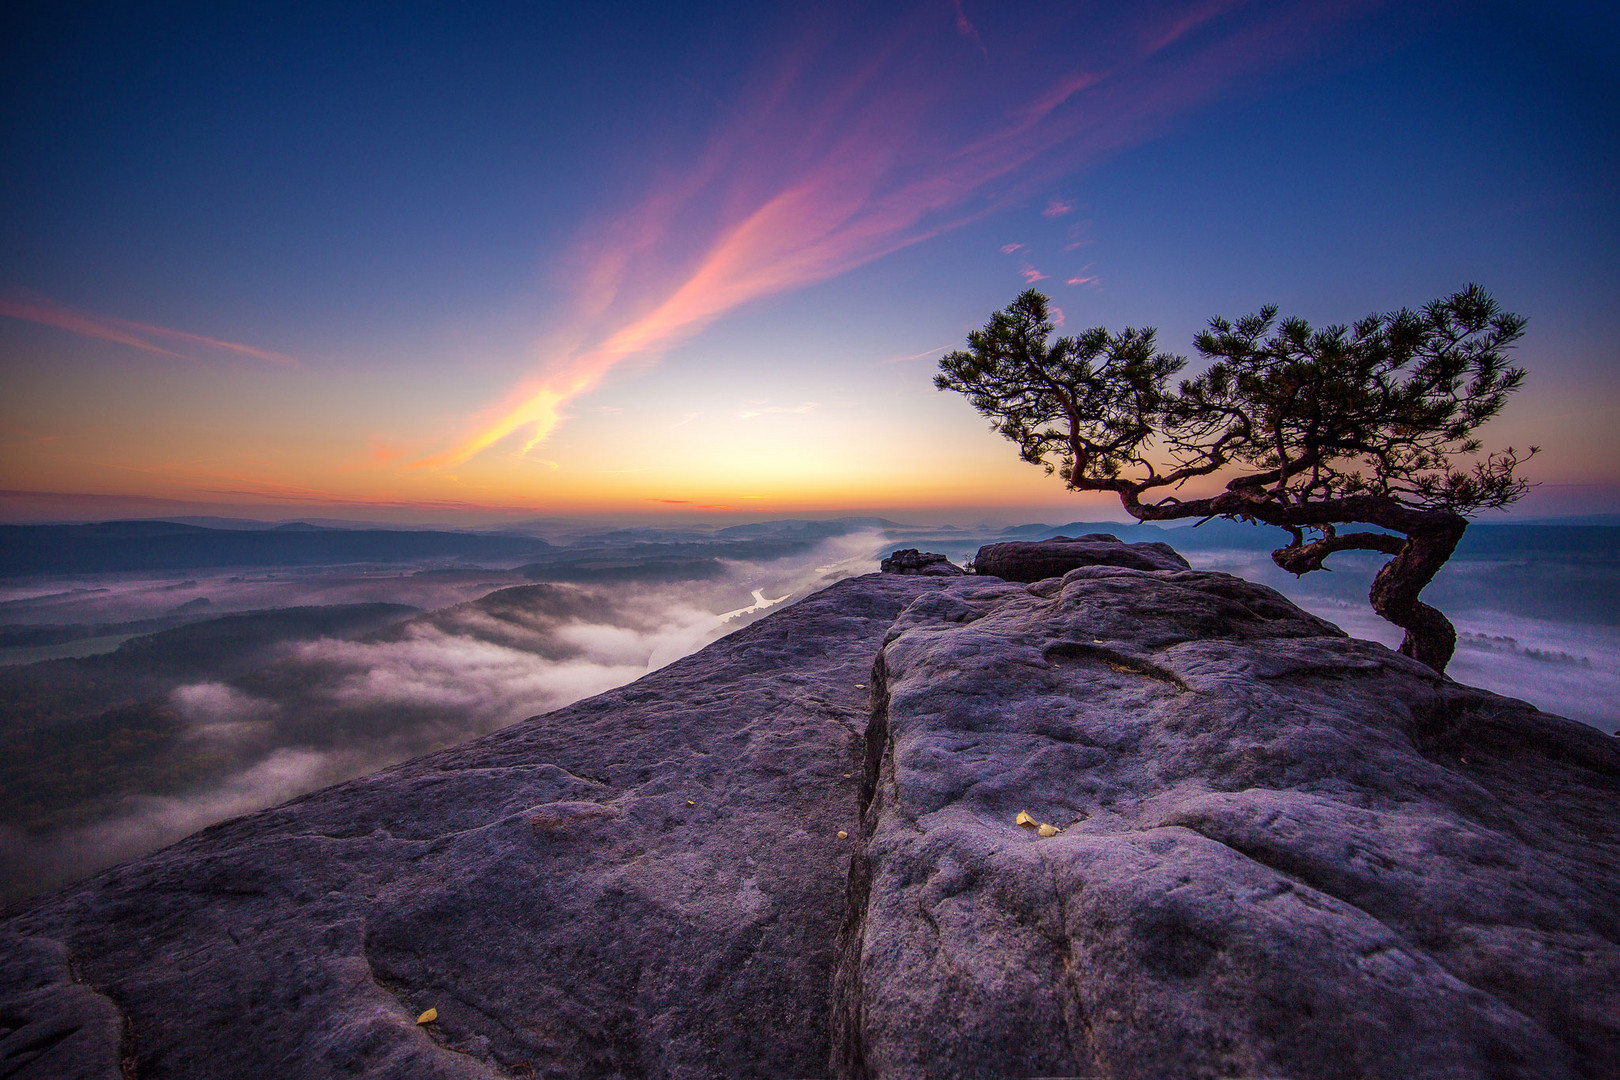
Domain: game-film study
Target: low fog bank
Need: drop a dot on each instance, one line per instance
(340, 671)
(1521, 633)
(85, 790)
(142, 603)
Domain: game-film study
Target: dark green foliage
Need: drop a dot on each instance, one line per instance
(68, 776)
(1310, 429)
(1381, 408)
(1093, 400)
(76, 735)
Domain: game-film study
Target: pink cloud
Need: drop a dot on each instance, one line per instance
(32, 307)
(1057, 208)
(1082, 278)
(847, 152)
(383, 451)
(1162, 37)
(1031, 275)
(967, 29)
(1008, 249)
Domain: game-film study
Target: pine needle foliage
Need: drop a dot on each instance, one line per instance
(1311, 429)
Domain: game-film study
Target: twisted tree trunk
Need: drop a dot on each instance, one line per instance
(1430, 637)
(1430, 538)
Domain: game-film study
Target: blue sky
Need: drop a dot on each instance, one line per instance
(419, 260)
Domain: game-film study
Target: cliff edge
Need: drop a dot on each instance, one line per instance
(1270, 850)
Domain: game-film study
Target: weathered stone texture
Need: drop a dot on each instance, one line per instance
(548, 888)
(1031, 561)
(1284, 852)
(910, 561)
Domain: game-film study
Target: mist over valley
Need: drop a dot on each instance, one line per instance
(144, 696)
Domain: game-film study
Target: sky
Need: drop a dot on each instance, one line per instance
(433, 262)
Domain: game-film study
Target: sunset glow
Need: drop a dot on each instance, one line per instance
(714, 275)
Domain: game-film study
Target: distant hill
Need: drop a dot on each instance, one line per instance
(166, 545)
(1218, 533)
(77, 732)
(796, 529)
(1481, 541)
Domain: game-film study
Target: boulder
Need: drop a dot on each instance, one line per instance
(1030, 561)
(920, 563)
(1250, 846)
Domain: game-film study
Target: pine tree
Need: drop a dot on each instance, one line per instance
(1311, 430)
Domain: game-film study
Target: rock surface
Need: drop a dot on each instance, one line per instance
(1283, 853)
(910, 561)
(1031, 561)
(646, 883)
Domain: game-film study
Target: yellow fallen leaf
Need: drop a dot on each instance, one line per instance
(842, 835)
(848, 775)
(1048, 830)
(428, 1017)
(860, 686)
(689, 802)
(1025, 820)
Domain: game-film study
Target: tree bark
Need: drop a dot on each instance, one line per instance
(1431, 537)
(1430, 637)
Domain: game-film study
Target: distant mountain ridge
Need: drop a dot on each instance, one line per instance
(114, 546)
(159, 545)
(1483, 540)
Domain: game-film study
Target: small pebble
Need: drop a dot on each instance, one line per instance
(843, 834)
(689, 802)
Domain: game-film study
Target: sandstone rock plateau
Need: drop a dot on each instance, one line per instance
(1283, 853)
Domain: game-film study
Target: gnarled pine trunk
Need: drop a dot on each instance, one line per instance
(1430, 637)
(1430, 536)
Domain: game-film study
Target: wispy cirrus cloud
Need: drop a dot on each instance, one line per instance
(849, 150)
(161, 340)
(966, 28)
(916, 356)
